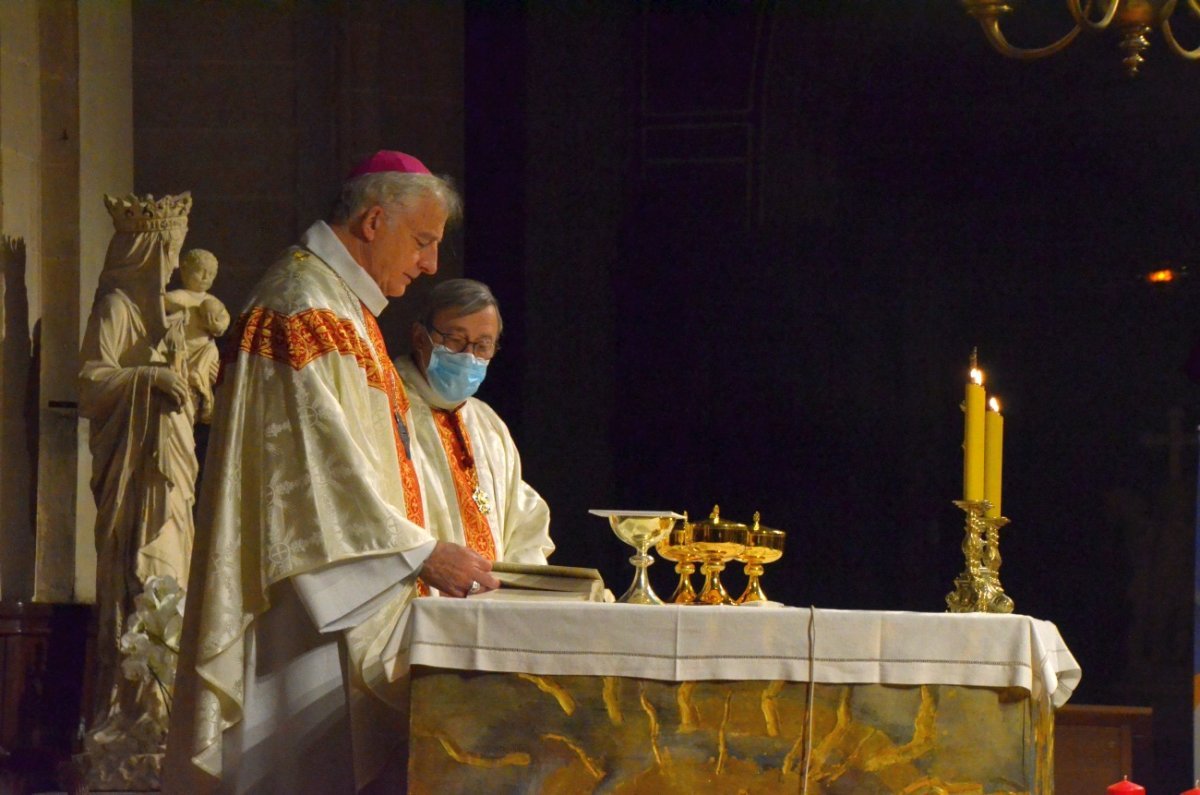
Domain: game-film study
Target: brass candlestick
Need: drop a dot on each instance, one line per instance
(978, 589)
(998, 600)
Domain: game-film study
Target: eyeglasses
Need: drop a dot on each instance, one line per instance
(483, 349)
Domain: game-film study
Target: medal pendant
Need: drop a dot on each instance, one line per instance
(482, 500)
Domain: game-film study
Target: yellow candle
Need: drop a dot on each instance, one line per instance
(994, 457)
(973, 441)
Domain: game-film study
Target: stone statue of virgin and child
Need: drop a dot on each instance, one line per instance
(148, 367)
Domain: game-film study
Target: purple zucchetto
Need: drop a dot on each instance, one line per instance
(389, 160)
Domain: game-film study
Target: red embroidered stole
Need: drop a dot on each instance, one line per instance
(457, 445)
(299, 339)
(398, 400)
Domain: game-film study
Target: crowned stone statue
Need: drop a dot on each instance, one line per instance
(134, 390)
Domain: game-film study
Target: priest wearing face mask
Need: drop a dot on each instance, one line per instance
(468, 465)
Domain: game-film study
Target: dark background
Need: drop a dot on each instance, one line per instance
(744, 252)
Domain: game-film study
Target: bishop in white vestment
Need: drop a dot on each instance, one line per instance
(310, 534)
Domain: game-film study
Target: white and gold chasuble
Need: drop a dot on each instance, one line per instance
(307, 480)
(470, 474)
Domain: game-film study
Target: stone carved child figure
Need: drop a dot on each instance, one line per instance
(203, 318)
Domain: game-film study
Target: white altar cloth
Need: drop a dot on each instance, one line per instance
(688, 643)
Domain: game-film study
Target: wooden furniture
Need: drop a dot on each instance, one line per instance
(1095, 746)
(42, 653)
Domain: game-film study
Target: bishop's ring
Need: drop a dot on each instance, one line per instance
(474, 586)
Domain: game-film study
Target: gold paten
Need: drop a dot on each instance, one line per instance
(717, 542)
(678, 547)
(764, 545)
(978, 589)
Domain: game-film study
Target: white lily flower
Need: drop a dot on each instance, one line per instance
(150, 644)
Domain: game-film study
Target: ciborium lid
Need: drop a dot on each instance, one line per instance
(762, 535)
(762, 542)
(716, 529)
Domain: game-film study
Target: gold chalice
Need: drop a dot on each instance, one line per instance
(717, 542)
(641, 530)
(677, 546)
(764, 545)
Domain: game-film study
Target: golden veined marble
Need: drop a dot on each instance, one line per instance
(473, 732)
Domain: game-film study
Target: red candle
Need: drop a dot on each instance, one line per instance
(1126, 787)
(1194, 791)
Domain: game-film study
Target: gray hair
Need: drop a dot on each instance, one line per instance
(389, 189)
(461, 296)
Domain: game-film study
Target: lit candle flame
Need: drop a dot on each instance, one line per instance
(1161, 276)
(994, 405)
(977, 375)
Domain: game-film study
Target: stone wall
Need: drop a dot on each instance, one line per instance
(20, 188)
(260, 109)
(57, 87)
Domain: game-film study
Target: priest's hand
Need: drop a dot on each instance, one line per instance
(457, 571)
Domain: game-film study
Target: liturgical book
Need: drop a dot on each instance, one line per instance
(533, 581)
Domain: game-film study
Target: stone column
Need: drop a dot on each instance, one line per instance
(105, 166)
(58, 341)
(86, 125)
(20, 245)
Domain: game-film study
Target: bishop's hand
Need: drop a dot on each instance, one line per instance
(457, 571)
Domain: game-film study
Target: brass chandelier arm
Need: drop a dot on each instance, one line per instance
(991, 30)
(1134, 18)
(1173, 43)
(1080, 12)
(1168, 9)
(1175, 46)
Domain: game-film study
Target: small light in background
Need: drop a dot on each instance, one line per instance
(1165, 274)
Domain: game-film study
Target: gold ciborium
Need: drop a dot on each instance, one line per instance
(764, 545)
(717, 542)
(641, 530)
(677, 546)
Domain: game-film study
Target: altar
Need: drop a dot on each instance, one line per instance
(569, 697)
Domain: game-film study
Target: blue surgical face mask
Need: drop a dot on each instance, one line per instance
(455, 376)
